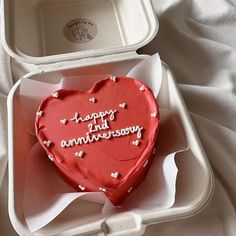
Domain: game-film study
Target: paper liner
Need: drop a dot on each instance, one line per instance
(47, 195)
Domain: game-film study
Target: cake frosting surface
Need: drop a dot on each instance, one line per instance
(102, 139)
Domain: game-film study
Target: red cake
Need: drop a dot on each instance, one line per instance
(102, 139)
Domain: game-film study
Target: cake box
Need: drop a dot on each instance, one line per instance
(43, 33)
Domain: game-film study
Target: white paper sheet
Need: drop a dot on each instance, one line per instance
(157, 190)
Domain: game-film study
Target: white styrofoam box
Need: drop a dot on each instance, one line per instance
(33, 30)
(38, 32)
(194, 183)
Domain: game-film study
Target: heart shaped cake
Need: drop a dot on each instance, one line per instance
(102, 139)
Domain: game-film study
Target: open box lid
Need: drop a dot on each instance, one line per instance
(49, 31)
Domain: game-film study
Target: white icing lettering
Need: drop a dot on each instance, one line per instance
(94, 116)
(63, 143)
(96, 137)
(95, 128)
(90, 126)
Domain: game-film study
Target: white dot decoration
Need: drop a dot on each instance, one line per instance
(80, 154)
(55, 95)
(136, 143)
(47, 143)
(154, 114)
(142, 88)
(82, 187)
(122, 105)
(113, 78)
(102, 189)
(115, 175)
(93, 100)
(145, 163)
(130, 189)
(50, 158)
(154, 151)
(63, 121)
(39, 113)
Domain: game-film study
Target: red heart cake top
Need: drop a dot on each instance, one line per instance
(102, 139)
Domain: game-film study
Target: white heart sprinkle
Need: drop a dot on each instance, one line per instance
(154, 114)
(102, 189)
(115, 175)
(48, 143)
(136, 142)
(113, 78)
(130, 189)
(122, 105)
(39, 113)
(63, 121)
(146, 162)
(142, 88)
(55, 95)
(82, 187)
(92, 100)
(50, 157)
(79, 154)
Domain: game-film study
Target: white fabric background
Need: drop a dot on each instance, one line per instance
(197, 39)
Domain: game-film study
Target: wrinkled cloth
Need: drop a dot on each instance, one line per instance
(197, 40)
